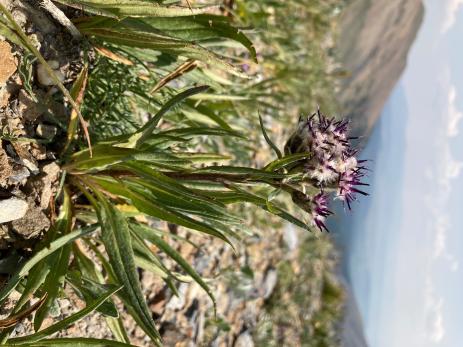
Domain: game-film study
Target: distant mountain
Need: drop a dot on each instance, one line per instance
(352, 330)
(375, 37)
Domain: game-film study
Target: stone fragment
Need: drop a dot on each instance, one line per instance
(5, 167)
(32, 223)
(46, 131)
(270, 282)
(12, 209)
(51, 172)
(244, 340)
(19, 175)
(44, 78)
(25, 157)
(8, 64)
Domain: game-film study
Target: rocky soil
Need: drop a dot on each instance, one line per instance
(32, 116)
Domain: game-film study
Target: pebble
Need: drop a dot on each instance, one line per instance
(12, 209)
(47, 132)
(44, 78)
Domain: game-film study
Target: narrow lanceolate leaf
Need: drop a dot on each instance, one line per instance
(144, 203)
(113, 56)
(88, 269)
(90, 291)
(267, 138)
(43, 253)
(179, 71)
(58, 262)
(144, 133)
(267, 206)
(247, 173)
(63, 324)
(177, 257)
(204, 27)
(75, 342)
(77, 93)
(18, 317)
(139, 34)
(286, 161)
(131, 8)
(118, 245)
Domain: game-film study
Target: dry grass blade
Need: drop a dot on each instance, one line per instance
(78, 94)
(15, 319)
(60, 17)
(113, 56)
(181, 70)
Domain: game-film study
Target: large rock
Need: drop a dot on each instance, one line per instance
(374, 40)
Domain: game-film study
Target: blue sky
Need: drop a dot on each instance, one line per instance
(405, 250)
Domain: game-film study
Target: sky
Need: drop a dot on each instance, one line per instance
(405, 242)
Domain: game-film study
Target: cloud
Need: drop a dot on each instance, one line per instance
(451, 11)
(441, 228)
(434, 314)
(454, 115)
(438, 331)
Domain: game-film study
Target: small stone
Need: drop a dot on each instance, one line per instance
(47, 132)
(19, 176)
(244, 340)
(32, 223)
(290, 237)
(30, 166)
(12, 209)
(44, 78)
(5, 167)
(46, 183)
(270, 282)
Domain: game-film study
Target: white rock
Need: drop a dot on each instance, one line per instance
(44, 78)
(47, 132)
(12, 209)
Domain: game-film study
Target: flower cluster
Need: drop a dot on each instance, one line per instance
(332, 163)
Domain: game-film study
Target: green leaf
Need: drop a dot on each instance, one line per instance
(172, 253)
(142, 135)
(132, 8)
(65, 322)
(269, 141)
(143, 202)
(38, 256)
(90, 291)
(88, 268)
(286, 160)
(201, 28)
(137, 33)
(245, 172)
(118, 244)
(58, 262)
(76, 342)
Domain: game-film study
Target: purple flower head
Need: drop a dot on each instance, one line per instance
(348, 183)
(316, 206)
(320, 210)
(333, 163)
